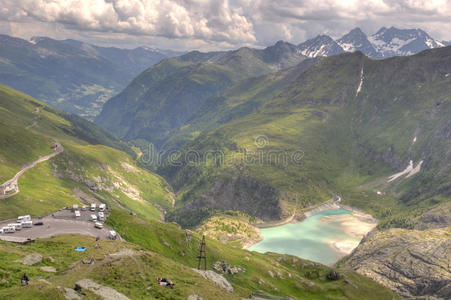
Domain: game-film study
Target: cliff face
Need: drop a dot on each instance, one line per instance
(413, 263)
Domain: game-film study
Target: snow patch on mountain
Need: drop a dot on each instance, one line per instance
(408, 171)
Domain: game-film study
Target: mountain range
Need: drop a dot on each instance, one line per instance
(71, 75)
(386, 42)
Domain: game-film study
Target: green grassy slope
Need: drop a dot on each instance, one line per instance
(27, 130)
(134, 273)
(321, 136)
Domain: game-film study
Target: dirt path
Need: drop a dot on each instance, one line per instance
(14, 181)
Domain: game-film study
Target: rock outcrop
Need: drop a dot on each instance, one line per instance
(413, 263)
(32, 259)
(100, 290)
(216, 278)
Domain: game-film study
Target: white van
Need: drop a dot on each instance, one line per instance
(93, 218)
(77, 213)
(101, 216)
(113, 235)
(98, 225)
(23, 218)
(9, 229)
(93, 207)
(17, 226)
(102, 207)
(27, 224)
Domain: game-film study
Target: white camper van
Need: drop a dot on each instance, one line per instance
(9, 229)
(101, 216)
(27, 224)
(93, 207)
(98, 225)
(94, 218)
(17, 226)
(77, 213)
(102, 207)
(113, 235)
(23, 218)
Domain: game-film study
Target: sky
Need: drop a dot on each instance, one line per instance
(215, 24)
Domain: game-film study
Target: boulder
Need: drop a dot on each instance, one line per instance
(32, 259)
(216, 278)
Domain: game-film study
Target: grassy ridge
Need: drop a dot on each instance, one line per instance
(27, 130)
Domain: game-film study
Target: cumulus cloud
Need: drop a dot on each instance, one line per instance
(210, 20)
(225, 23)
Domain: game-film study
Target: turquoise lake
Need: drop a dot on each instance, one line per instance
(307, 239)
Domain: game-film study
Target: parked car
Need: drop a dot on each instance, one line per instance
(93, 218)
(93, 207)
(84, 207)
(98, 225)
(101, 216)
(102, 207)
(77, 213)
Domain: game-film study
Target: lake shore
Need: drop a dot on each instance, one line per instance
(356, 225)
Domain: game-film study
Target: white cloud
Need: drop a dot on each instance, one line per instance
(210, 20)
(221, 23)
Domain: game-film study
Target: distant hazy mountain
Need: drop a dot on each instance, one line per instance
(160, 102)
(71, 75)
(386, 42)
(322, 45)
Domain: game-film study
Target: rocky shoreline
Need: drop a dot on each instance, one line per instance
(343, 247)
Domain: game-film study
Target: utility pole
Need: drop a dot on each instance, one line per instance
(202, 254)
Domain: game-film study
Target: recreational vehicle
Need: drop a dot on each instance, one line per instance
(93, 218)
(27, 224)
(101, 216)
(102, 207)
(23, 218)
(98, 225)
(93, 207)
(9, 229)
(17, 226)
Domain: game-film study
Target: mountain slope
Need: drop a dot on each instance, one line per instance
(166, 96)
(351, 128)
(87, 168)
(70, 75)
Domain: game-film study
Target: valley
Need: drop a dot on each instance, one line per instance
(311, 175)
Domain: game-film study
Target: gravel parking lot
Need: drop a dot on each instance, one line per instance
(62, 222)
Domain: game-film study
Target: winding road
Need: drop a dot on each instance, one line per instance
(14, 181)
